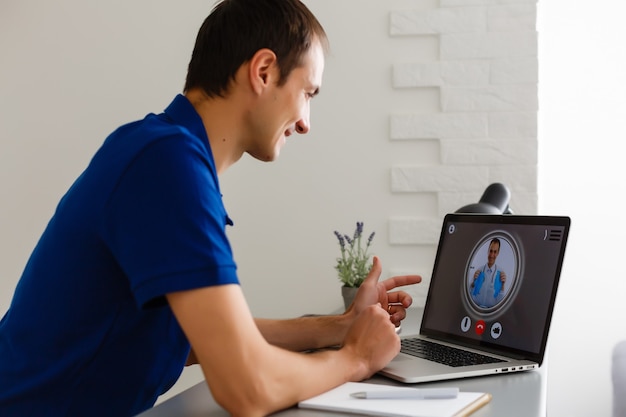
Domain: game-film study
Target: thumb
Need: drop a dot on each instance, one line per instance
(375, 271)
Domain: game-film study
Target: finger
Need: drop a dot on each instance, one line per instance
(397, 313)
(375, 271)
(401, 280)
(397, 317)
(400, 298)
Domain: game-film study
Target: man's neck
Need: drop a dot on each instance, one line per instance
(221, 120)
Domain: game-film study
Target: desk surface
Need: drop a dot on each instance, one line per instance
(520, 394)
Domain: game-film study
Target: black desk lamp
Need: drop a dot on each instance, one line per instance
(495, 200)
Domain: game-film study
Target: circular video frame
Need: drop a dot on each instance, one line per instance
(492, 274)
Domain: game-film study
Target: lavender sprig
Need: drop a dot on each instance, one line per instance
(354, 263)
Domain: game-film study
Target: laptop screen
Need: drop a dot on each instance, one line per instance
(494, 281)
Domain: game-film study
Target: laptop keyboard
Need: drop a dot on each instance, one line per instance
(444, 354)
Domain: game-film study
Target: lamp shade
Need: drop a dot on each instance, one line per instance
(495, 200)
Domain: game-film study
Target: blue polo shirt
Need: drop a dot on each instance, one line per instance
(89, 331)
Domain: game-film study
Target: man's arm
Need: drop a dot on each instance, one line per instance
(249, 376)
(305, 333)
(300, 334)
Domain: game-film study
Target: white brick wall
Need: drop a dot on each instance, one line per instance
(486, 125)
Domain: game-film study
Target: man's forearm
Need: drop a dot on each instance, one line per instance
(304, 333)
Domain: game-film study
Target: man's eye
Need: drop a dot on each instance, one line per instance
(313, 93)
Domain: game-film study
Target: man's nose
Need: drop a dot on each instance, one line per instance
(303, 126)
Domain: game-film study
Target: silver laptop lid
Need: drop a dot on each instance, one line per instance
(494, 282)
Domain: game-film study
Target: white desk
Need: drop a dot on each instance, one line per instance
(514, 395)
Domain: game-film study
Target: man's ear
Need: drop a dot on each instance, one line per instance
(263, 70)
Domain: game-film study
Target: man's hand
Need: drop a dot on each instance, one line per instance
(373, 292)
(372, 340)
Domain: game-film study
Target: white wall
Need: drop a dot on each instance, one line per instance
(71, 71)
(582, 100)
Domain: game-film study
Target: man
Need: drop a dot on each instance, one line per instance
(487, 287)
(134, 276)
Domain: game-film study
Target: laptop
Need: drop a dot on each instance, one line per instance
(490, 299)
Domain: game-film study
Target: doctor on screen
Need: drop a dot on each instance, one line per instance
(487, 288)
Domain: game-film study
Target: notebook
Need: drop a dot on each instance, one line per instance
(490, 298)
(339, 399)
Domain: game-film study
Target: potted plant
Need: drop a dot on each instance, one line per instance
(354, 263)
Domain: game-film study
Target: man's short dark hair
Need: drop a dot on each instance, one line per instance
(236, 29)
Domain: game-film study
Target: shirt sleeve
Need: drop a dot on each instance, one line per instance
(166, 222)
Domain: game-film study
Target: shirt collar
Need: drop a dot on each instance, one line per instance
(182, 112)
